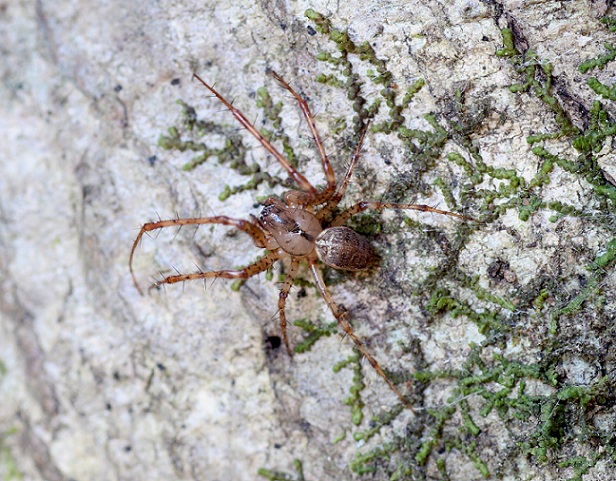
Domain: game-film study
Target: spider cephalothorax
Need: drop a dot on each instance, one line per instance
(294, 229)
(301, 227)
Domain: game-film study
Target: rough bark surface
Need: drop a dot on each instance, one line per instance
(100, 383)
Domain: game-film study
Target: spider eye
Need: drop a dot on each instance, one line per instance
(265, 212)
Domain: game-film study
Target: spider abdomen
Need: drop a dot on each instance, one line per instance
(343, 248)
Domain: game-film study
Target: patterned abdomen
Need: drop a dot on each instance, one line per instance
(343, 248)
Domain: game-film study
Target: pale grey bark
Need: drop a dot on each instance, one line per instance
(103, 384)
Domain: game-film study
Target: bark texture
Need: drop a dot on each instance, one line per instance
(100, 383)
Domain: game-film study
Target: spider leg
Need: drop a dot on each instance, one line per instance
(341, 316)
(295, 175)
(253, 230)
(333, 202)
(282, 300)
(361, 206)
(250, 270)
(327, 168)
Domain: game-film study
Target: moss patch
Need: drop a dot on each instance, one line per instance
(559, 317)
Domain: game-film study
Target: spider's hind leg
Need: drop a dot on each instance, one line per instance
(341, 316)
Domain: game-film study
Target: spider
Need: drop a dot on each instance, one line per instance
(300, 227)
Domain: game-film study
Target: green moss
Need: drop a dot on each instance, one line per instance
(604, 260)
(314, 333)
(600, 128)
(412, 91)
(581, 465)
(366, 223)
(8, 462)
(441, 301)
(539, 302)
(508, 51)
(350, 81)
(272, 112)
(599, 62)
(377, 423)
(433, 437)
(354, 400)
(450, 200)
(607, 92)
(610, 23)
(188, 135)
(282, 476)
(468, 425)
(552, 419)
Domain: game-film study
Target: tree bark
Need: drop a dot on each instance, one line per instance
(100, 383)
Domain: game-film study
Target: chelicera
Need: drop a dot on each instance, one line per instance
(302, 227)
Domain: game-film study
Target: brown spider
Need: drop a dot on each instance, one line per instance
(294, 228)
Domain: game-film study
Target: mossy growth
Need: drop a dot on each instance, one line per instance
(533, 395)
(8, 464)
(423, 147)
(354, 400)
(550, 412)
(313, 333)
(190, 134)
(282, 476)
(272, 112)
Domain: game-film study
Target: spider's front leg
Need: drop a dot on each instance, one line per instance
(251, 270)
(335, 199)
(253, 230)
(341, 316)
(327, 168)
(299, 178)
